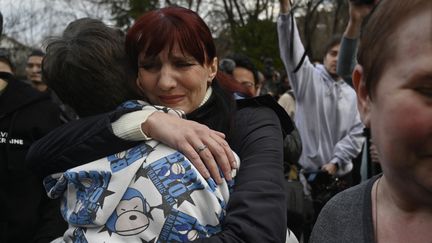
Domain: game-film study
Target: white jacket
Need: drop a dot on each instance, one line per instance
(326, 110)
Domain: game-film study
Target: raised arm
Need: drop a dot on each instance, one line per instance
(348, 50)
(291, 52)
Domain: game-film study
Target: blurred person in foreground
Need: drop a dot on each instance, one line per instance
(394, 91)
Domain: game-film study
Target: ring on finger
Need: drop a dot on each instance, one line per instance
(201, 148)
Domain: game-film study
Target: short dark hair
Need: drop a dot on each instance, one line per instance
(87, 67)
(244, 61)
(36, 52)
(334, 41)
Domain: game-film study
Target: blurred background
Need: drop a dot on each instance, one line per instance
(241, 26)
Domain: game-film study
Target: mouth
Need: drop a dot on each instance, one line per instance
(171, 99)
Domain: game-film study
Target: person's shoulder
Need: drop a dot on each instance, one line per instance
(350, 196)
(343, 216)
(348, 203)
(284, 97)
(265, 106)
(21, 96)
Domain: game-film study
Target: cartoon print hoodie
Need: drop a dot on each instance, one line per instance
(149, 193)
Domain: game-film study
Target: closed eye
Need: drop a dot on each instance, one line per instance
(182, 64)
(149, 66)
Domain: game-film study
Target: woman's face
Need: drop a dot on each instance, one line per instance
(175, 79)
(400, 112)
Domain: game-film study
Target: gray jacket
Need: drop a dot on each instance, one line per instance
(326, 116)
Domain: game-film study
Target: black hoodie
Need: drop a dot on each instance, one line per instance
(25, 116)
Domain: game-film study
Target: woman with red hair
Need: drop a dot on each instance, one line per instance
(173, 55)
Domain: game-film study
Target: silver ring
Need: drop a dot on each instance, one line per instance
(201, 148)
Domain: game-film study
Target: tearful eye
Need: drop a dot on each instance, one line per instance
(150, 64)
(147, 66)
(184, 64)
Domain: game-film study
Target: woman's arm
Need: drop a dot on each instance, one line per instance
(256, 211)
(91, 138)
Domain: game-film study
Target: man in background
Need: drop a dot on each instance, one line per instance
(34, 70)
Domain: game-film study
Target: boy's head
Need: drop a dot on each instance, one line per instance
(87, 67)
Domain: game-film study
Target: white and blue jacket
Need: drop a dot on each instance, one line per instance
(149, 193)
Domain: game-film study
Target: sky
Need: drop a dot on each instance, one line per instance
(31, 21)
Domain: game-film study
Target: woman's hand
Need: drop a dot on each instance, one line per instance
(205, 148)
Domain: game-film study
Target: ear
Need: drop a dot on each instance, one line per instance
(138, 84)
(363, 98)
(213, 68)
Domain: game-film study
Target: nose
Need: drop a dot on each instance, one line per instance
(167, 79)
(35, 69)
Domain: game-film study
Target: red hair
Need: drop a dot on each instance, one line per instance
(165, 27)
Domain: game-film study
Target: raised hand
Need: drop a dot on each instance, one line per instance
(285, 6)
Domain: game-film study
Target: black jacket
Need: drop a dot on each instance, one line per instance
(28, 215)
(256, 210)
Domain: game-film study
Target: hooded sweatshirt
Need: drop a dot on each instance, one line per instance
(326, 109)
(149, 193)
(25, 116)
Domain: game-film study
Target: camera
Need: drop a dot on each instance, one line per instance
(365, 2)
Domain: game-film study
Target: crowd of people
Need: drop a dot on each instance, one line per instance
(150, 136)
